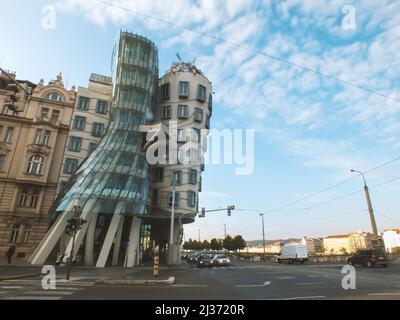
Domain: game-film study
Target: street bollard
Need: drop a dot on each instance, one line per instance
(156, 266)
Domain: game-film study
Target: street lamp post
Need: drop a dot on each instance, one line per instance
(369, 204)
(225, 233)
(262, 216)
(171, 233)
(199, 235)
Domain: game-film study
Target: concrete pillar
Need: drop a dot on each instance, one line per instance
(108, 241)
(117, 243)
(132, 252)
(44, 249)
(89, 244)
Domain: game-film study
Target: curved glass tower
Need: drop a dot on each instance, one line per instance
(112, 184)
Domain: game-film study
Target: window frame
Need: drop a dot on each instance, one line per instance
(183, 94)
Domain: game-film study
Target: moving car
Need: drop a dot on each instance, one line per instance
(204, 261)
(293, 252)
(369, 258)
(221, 260)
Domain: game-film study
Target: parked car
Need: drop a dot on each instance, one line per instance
(192, 257)
(293, 252)
(184, 255)
(369, 258)
(220, 260)
(204, 261)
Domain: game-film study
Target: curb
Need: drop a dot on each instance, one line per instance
(27, 275)
(169, 281)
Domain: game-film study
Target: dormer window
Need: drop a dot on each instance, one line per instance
(54, 96)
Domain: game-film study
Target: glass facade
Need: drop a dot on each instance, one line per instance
(114, 178)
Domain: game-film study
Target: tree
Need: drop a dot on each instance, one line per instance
(215, 244)
(228, 243)
(205, 245)
(238, 243)
(188, 245)
(343, 250)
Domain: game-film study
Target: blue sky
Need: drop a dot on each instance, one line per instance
(309, 130)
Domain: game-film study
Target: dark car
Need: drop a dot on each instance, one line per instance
(192, 257)
(204, 261)
(369, 258)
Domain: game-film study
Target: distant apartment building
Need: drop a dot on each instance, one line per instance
(269, 248)
(32, 144)
(347, 243)
(314, 245)
(391, 238)
(89, 122)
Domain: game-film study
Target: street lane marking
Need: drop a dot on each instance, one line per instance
(50, 292)
(286, 277)
(32, 298)
(190, 285)
(11, 287)
(298, 298)
(309, 283)
(266, 283)
(385, 294)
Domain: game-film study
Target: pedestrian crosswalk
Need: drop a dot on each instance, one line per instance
(32, 290)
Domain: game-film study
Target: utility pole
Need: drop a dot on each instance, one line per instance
(369, 204)
(263, 230)
(225, 233)
(171, 233)
(199, 235)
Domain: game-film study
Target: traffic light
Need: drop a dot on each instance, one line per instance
(230, 208)
(21, 97)
(203, 213)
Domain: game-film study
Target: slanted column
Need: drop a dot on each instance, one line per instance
(133, 246)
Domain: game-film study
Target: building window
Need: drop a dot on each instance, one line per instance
(210, 102)
(92, 147)
(183, 111)
(27, 232)
(196, 134)
(55, 115)
(23, 198)
(198, 115)
(191, 200)
(9, 135)
(46, 137)
(192, 176)
(166, 112)
(176, 199)
(183, 89)
(35, 165)
(34, 198)
(201, 93)
(181, 135)
(208, 122)
(75, 144)
(62, 186)
(101, 106)
(70, 165)
(2, 161)
(83, 103)
(165, 91)
(178, 177)
(15, 232)
(44, 113)
(38, 136)
(54, 96)
(79, 123)
(158, 174)
(155, 196)
(97, 129)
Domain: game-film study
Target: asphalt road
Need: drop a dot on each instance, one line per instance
(244, 281)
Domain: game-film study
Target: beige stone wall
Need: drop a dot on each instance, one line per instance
(14, 177)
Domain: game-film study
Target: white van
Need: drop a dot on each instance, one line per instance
(293, 252)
